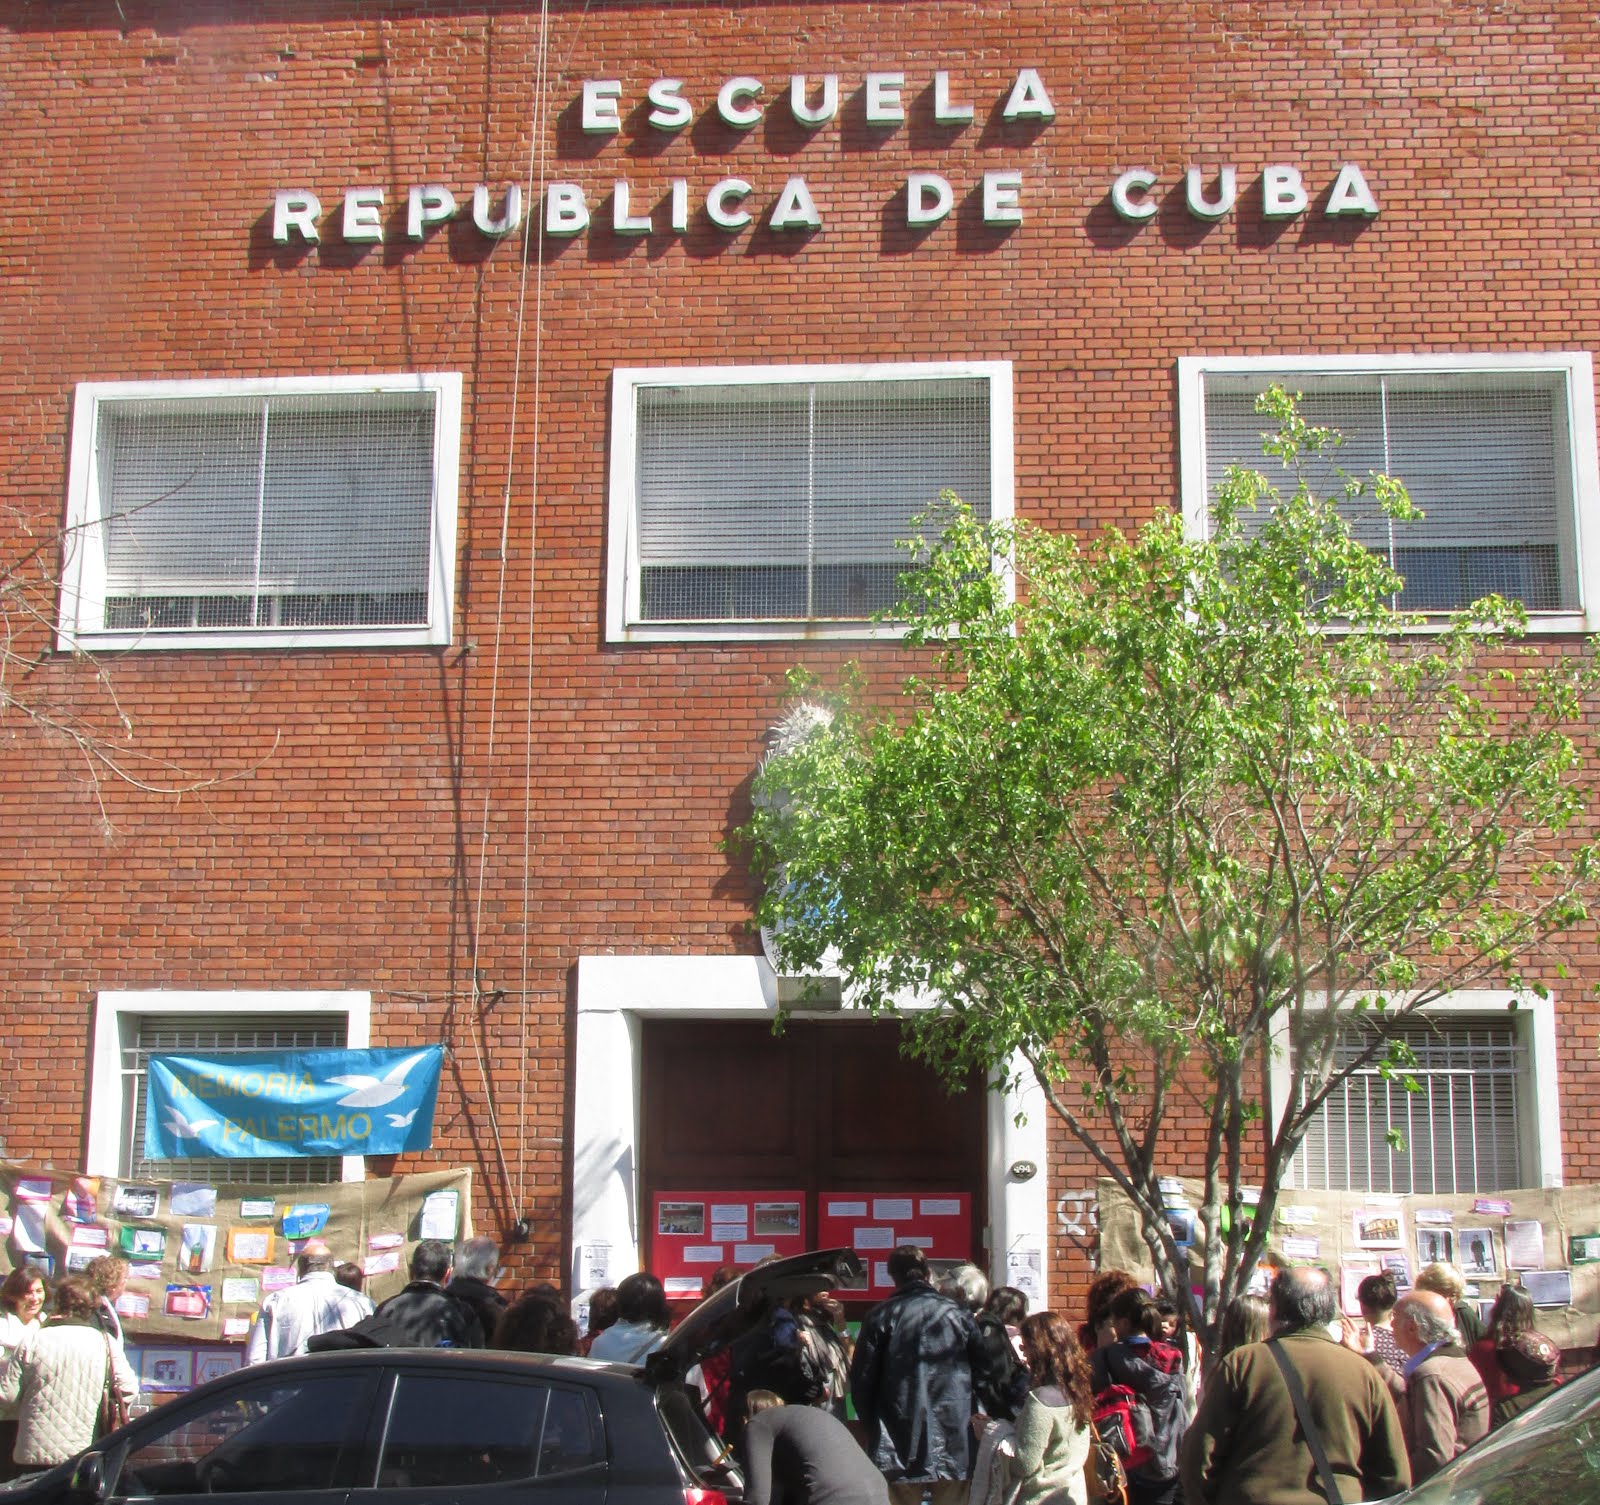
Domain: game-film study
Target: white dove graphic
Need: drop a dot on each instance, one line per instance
(401, 1120)
(369, 1091)
(182, 1128)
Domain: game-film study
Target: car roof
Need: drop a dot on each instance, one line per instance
(550, 1366)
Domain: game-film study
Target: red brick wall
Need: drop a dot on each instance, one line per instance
(136, 243)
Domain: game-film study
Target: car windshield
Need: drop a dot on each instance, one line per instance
(1551, 1452)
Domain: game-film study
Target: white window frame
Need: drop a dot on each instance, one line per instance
(116, 1017)
(83, 589)
(622, 550)
(1575, 368)
(1539, 1091)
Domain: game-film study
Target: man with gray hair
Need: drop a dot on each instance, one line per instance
(477, 1267)
(1269, 1409)
(316, 1303)
(1443, 1404)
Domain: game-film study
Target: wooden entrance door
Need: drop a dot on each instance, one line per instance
(825, 1106)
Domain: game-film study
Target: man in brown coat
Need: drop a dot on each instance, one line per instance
(1444, 1406)
(1246, 1447)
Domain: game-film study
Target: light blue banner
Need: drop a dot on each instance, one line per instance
(305, 1102)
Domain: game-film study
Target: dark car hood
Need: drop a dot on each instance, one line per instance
(743, 1302)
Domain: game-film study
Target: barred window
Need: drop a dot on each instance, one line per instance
(774, 497)
(1492, 451)
(277, 512)
(1460, 1130)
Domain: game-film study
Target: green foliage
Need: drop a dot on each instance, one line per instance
(1152, 799)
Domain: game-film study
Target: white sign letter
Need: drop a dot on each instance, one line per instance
(431, 205)
(795, 209)
(1283, 193)
(294, 209)
(944, 112)
(622, 221)
(883, 98)
(742, 116)
(672, 110)
(600, 96)
(678, 204)
(363, 214)
(825, 111)
(717, 204)
(1351, 195)
(928, 198)
(1194, 193)
(507, 221)
(565, 212)
(1028, 99)
(1000, 198)
(1135, 180)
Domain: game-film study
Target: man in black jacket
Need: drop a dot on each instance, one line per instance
(476, 1264)
(425, 1314)
(911, 1381)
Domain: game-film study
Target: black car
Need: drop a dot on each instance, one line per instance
(430, 1426)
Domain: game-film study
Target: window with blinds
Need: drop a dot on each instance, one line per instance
(262, 513)
(220, 1034)
(1485, 454)
(1459, 1130)
(778, 501)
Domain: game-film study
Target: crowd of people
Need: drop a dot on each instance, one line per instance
(960, 1396)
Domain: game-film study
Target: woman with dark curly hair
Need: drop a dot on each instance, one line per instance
(536, 1324)
(1053, 1425)
(1103, 1290)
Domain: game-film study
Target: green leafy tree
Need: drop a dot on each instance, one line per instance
(1151, 800)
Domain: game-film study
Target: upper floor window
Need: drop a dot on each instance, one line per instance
(768, 501)
(1497, 451)
(282, 512)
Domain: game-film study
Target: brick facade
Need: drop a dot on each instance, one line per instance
(346, 844)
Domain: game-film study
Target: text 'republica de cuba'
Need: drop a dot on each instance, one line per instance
(731, 204)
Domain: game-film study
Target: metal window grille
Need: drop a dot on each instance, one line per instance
(221, 1034)
(784, 502)
(1459, 1130)
(260, 513)
(1484, 456)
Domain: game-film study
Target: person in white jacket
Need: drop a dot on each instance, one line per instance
(57, 1376)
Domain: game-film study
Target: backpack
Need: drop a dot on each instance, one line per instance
(1122, 1422)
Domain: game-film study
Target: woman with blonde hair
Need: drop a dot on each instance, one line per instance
(1448, 1281)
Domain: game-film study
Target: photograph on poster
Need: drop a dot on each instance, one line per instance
(1378, 1229)
(213, 1363)
(776, 1220)
(136, 1201)
(166, 1369)
(1397, 1266)
(142, 1243)
(683, 1219)
(190, 1302)
(1181, 1221)
(1477, 1251)
(1584, 1248)
(1435, 1246)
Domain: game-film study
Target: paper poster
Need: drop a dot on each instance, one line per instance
(594, 1266)
(1353, 1269)
(212, 1363)
(197, 1248)
(1435, 1246)
(681, 1219)
(1025, 1272)
(189, 1199)
(1496, 1207)
(1376, 1228)
(381, 1264)
(33, 1189)
(131, 1304)
(27, 1231)
(1436, 1216)
(702, 1254)
(1396, 1265)
(81, 1204)
(682, 1285)
(277, 1278)
(1548, 1287)
(891, 1209)
(249, 1246)
(1524, 1245)
(304, 1219)
(946, 1207)
(86, 1237)
(190, 1302)
(235, 1327)
(730, 1233)
(1180, 1221)
(729, 1212)
(142, 1243)
(136, 1201)
(241, 1290)
(166, 1369)
(1299, 1214)
(880, 1275)
(872, 1238)
(378, 1241)
(145, 1272)
(752, 1254)
(1584, 1248)
(254, 1209)
(1301, 1246)
(440, 1213)
(1475, 1251)
(837, 1209)
(79, 1259)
